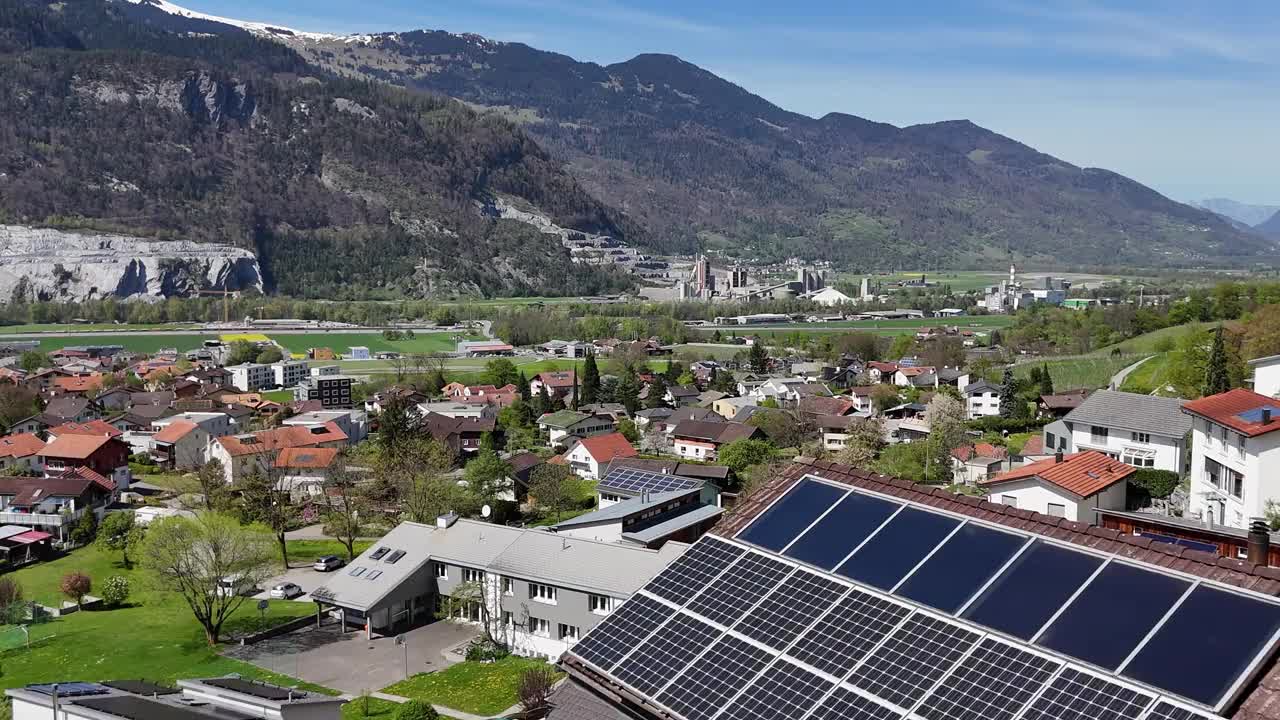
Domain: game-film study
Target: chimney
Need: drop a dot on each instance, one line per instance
(1057, 457)
(1259, 541)
(1266, 415)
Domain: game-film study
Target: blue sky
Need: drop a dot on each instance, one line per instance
(1183, 96)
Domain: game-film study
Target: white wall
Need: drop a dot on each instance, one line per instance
(1168, 451)
(1256, 458)
(579, 456)
(1266, 378)
(1035, 495)
(982, 405)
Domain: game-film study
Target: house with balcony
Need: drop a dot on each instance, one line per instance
(564, 426)
(1144, 431)
(463, 435)
(1235, 451)
(973, 463)
(53, 504)
(981, 399)
(106, 455)
(21, 453)
(702, 440)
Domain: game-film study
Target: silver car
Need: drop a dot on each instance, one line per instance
(286, 591)
(327, 563)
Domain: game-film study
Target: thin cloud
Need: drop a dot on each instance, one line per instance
(613, 13)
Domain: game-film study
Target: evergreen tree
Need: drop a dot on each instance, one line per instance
(1216, 378)
(542, 404)
(1009, 395)
(627, 392)
(758, 357)
(590, 380)
(573, 397)
(525, 394)
(1046, 381)
(657, 392)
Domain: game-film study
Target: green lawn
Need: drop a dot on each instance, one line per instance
(1075, 373)
(280, 396)
(472, 687)
(1148, 343)
(300, 550)
(154, 636)
(1151, 376)
(423, 342)
(88, 327)
(133, 343)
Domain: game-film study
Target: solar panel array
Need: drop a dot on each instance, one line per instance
(631, 480)
(984, 623)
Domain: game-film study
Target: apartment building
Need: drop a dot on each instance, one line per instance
(249, 377)
(288, 373)
(1234, 452)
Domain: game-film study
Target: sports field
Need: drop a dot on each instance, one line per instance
(422, 342)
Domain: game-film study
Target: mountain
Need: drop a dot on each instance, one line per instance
(700, 161)
(1270, 228)
(191, 129)
(1243, 213)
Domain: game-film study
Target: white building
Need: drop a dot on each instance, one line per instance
(250, 377)
(1140, 430)
(1065, 486)
(981, 399)
(1266, 375)
(355, 423)
(210, 699)
(1235, 452)
(288, 373)
(589, 457)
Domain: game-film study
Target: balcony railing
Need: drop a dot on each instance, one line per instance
(33, 519)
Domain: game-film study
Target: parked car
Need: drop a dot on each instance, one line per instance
(236, 585)
(328, 563)
(286, 591)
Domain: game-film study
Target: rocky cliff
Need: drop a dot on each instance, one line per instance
(44, 264)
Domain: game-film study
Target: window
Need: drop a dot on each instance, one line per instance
(1098, 434)
(442, 571)
(1057, 510)
(1224, 478)
(508, 620)
(1049, 440)
(1010, 500)
(601, 604)
(1141, 437)
(472, 576)
(1139, 458)
(569, 632)
(540, 626)
(542, 593)
(508, 586)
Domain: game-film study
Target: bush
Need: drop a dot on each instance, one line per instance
(483, 650)
(1150, 483)
(115, 591)
(10, 591)
(75, 585)
(416, 710)
(535, 686)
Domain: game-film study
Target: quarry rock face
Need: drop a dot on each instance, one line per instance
(44, 264)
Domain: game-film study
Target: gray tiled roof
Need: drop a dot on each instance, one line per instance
(1132, 411)
(572, 701)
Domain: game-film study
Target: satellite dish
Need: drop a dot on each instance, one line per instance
(486, 511)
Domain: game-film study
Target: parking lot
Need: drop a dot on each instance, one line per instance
(303, 577)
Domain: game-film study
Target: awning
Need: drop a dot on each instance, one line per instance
(8, 531)
(31, 536)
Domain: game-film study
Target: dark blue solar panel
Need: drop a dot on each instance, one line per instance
(1206, 644)
(1255, 415)
(836, 535)
(891, 553)
(963, 564)
(1032, 589)
(1108, 620)
(782, 522)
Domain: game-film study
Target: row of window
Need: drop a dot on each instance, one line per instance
(547, 594)
(1224, 478)
(542, 627)
(1053, 510)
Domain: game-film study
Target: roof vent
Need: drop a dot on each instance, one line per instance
(1266, 415)
(1057, 457)
(1259, 542)
(446, 520)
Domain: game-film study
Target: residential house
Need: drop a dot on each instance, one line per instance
(301, 472)
(333, 391)
(21, 453)
(617, 411)
(1065, 486)
(1235, 451)
(921, 376)
(70, 408)
(459, 409)
(982, 399)
(182, 441)
(881, 372)
(409, 395)
(976, 462)
(702, 440)
(53, 504)
(728, 407)
(288, 373)
(559, 384)
(1140, 430)
(862, 398)
(813, 408)
(835, 430)
(565, 425)
(682, 395)
(499, 397)
(103, 454)
(1059, 404)
(650, 519)
(92, 427)
(462, 435)
(957, 378)
(249, 377)
(115, 399)
(545, 592)
(812, 371)
(652, 418)
(1266, 375)
(1031, 451)
(77, 385)
(704, 371)
(353, 423)
(589, 456)
(248, 453)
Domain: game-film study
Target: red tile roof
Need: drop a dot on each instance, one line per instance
(306, 458)
(76, 447)
(281, 438)
(93, 427)
(174, 431)
(882, 366)
(980, 450)
(1225, 409)
(21, 445)
(1068, 400)
(79, 384)
(93, 476)
(604, 448)
(1084, 474)
(557, 379)
(914, 371)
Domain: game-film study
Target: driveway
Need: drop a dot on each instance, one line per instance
(303, 577)
(348, 662)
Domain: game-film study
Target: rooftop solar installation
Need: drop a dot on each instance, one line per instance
(256, 689)
(633, 481)
(133, 707)
(69, 689)
(837, 602)
(141, 687)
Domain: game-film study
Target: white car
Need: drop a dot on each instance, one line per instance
(286, 591)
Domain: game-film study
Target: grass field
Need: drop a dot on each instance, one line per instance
(87, 327)
(132, 343)
(154, 636)
(479, 688)
(1153, 341)
(300, 550)
(1075, 373)
(422, 342)
(1151, 376)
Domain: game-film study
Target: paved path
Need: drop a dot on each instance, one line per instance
(1118, 379)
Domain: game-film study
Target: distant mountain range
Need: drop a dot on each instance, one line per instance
(1243, 213)
(269, 138)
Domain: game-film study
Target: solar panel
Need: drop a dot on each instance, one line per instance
(632, 480)
(691, 572)
(1168, 711)
(993, 683)
(377, 554)
(256, 689)
(845, 704)
(731, 595)
(1112, 615)
(69, 689)
(914, 657)
(902, 543)
(790, 608)
(1032, 589)
(1206, 675)
(1254, 415)
(1077, 695)
(848, 632)
(962, 565)
(132, 707)
(607, 642)
(782, 691)
(394, 556)
(666, 653)
(708, 684)
(833, 537)
(141, 687)
(791, 514)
